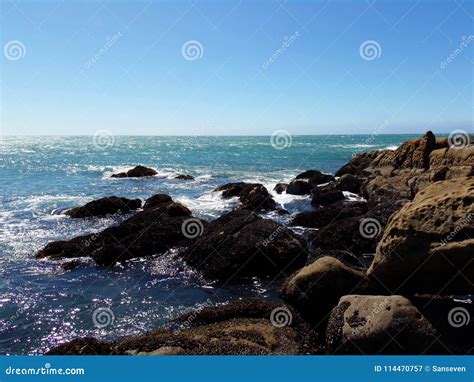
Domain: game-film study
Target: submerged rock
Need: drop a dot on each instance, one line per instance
(111, 205)
(136, 172)
(241, 243)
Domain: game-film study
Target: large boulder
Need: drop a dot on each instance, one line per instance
(324, 197)
(136, 172)
(252, 196)
(349, 182)
(149, 232)
(316, 289)
(111, 205)
(325, 215)
(315, 177)
(428, 245)
(246, 327)
(241, 243)
(357, 235)
(299, 187)
(379, 325)
(280, 188)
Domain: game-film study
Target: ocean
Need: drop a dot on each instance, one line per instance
(42, 306)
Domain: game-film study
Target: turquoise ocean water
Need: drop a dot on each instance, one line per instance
(41, 306)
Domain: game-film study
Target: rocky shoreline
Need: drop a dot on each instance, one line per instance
(414, 217)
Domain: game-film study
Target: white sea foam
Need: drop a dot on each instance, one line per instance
(391, 148)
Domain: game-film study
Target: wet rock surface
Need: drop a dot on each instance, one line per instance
(111, 205)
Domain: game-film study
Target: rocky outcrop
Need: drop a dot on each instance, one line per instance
(111, 205)
(136, 172)
(157, 200)
(252, 196)
(317, 288)
(427, 245)
(149, 232)
(349, 182)
(246, 327)
(345, 234)
(379, 325)
(241, 243)
(325, 215)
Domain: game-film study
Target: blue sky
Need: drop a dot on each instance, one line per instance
(319, 82)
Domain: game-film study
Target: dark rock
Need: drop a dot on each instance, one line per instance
(257, 199)
(345, 257)
(149, 232)
(136, 172)
(299, 187)
(324, 198)
(280, 188)
(105, 206)
(359, 163)
(325, 215)
(184, 177)
(241, 244)
(281, 211)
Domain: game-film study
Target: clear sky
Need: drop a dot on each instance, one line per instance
(76, 67)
